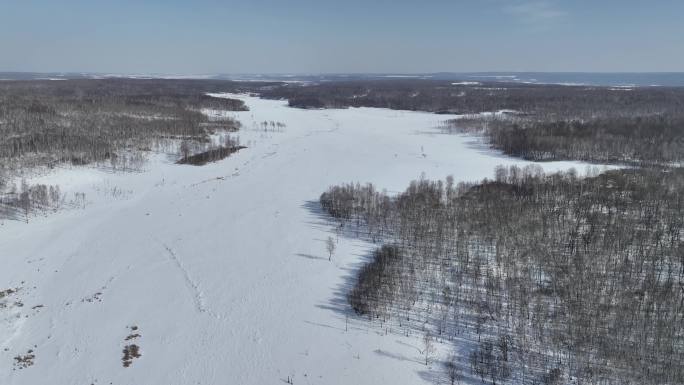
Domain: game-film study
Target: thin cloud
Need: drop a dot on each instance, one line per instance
(535, 12)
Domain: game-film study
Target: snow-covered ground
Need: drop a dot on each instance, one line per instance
(222, 268)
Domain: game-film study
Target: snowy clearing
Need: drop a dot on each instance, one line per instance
(220, 274)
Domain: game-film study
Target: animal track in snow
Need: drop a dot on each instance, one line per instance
(193, 286)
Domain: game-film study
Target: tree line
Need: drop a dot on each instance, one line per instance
(640, 140)
(457, 98)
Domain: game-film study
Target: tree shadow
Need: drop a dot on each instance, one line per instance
(323, 325)
(397, 356)
(313, 257)
(322, 219)
(11, 213)
(437, 374)
(338, 303)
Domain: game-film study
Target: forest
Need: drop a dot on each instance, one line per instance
(462, 98)
(111, 123)
(82, 121)
(632, 126)
(532, 278)
(638, 140)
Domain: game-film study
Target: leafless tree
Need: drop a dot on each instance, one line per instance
(330, 247)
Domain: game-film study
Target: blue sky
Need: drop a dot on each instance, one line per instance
(307, 36)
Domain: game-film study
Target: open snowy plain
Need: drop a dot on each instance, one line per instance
(220, 273)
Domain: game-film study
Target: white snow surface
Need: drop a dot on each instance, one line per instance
(222, 268)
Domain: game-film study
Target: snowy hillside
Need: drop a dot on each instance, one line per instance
(219, 274)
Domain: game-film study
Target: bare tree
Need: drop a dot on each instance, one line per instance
(428, 347)
(330, 247)
(453, 371)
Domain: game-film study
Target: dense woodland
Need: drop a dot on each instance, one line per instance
(86, 121)
(449, 97)
(110, 123)
(533, 278)
(642, 125)
(640, 140)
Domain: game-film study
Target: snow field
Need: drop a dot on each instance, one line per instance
(222, 268)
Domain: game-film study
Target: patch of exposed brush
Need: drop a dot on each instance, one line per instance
(24, 361)
(209, 156)
(131, 351)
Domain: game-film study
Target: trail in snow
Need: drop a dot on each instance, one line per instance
(193, 286)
